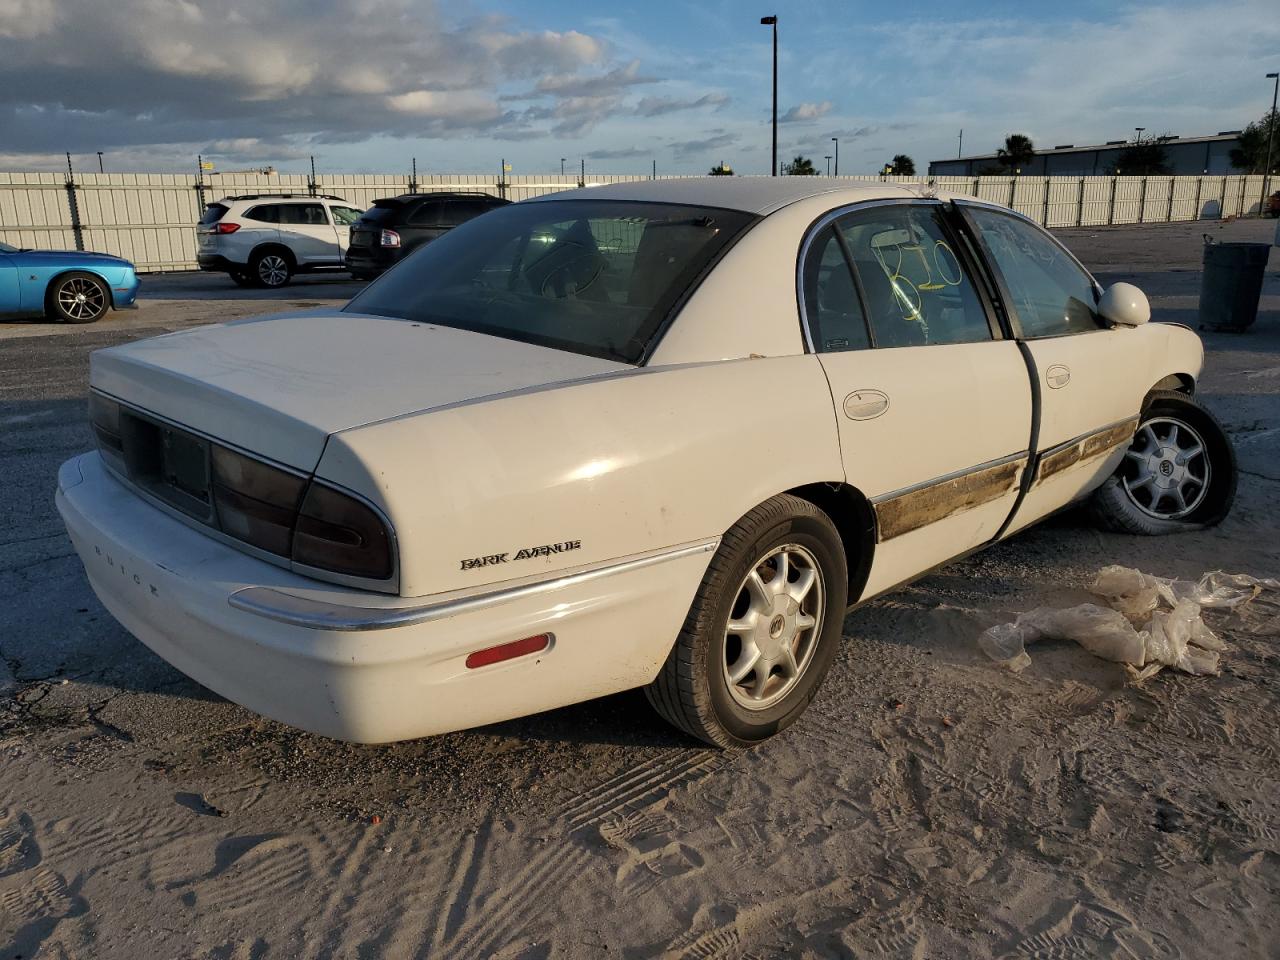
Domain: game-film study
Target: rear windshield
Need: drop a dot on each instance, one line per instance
(597, 277)
(382, 211)
(212, 214)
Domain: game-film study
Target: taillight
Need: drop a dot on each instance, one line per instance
(339, 533)
(256, 503)
(104, 416)
(226, 228)
(390, 238)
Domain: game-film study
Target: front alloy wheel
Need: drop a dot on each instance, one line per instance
(1178, 474)
(80, 298)
(1167, 470)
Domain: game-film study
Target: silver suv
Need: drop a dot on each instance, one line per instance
(263, 239)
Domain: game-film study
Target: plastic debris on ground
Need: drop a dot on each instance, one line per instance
(1149, 622)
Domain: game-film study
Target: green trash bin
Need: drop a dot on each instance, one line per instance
(1231, 284)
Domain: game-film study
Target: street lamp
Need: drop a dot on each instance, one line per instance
(1271, 137)
(1139, 131)
(828, 159)
(836, 141)
(773, 22)
(100, 161)
(562, 159)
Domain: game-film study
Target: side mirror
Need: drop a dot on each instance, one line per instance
(1124, 305)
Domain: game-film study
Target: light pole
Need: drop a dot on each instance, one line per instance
(1271, 137)
(773, 22)
(562, 160)
(1139, 132)
(100, 161)
(836, 141)
(960, 147)
(828, 159)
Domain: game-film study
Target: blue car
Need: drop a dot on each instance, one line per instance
(68, 285)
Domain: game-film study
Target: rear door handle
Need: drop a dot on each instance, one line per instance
(1058, 376)
(865, 404)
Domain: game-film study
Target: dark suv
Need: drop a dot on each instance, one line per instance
(394, 227)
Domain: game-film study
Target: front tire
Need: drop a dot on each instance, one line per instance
(78, 298)
(763, 629)
(1178, 474)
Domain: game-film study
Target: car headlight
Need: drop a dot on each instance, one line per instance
(297, 518)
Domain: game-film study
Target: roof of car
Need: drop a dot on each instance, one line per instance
(759, 195)
(440, 195)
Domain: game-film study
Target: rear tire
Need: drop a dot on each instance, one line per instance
(1178, 474)
(78, 298)
(271, 269)
(729, 679)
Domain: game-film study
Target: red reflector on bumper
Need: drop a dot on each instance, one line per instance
(509, 651)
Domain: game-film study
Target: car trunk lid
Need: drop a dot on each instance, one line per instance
(279, 387)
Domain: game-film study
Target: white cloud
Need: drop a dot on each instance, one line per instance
(806, 112)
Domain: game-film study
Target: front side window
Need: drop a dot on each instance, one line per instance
(345, 216)
(597, 277)
(1051, 295)
(831, 300)
(916, 291)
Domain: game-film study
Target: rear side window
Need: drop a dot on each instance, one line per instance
(836, 321)
(212, 214)
(597, 277)
(916, 291)
(1052, 296)
(307, 214)
(460, 211)
(425, 214)
(264, 213)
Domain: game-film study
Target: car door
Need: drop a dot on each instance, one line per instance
(309, 233)
(343, 218)
(1089, 391)
(10, 298)
(933, 403)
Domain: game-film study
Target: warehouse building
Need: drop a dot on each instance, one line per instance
(1186, 156)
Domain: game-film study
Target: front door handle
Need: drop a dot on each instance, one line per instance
(865, 404)
(1058, 376)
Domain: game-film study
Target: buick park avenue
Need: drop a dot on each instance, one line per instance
(658, 434)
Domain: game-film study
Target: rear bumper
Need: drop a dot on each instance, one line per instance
(372, 260)
(384, 668)
(217, 263)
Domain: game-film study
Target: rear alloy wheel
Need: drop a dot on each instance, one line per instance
(271, 269)
(1179, 472)
(763, 629)
(79, 298)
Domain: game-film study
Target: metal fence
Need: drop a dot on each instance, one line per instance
(149, 218)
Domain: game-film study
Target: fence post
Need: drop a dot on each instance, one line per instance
(1045, 220)
(1169, 218)
(74, 205)
(1111, 203)
(1142, 202)
(1080, 205)
(1013, 190)
(1199, 188)
(311, 182)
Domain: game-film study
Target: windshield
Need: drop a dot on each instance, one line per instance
(5, 248)
(597, 277)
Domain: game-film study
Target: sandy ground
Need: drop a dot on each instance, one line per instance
(928, 805)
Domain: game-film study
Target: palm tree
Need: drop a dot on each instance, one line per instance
(1017, 152)
(723, 170)
(800, 167)
(902, 166)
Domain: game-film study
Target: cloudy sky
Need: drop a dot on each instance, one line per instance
(364, 85)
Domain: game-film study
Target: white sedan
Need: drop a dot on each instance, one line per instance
(655, 435)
